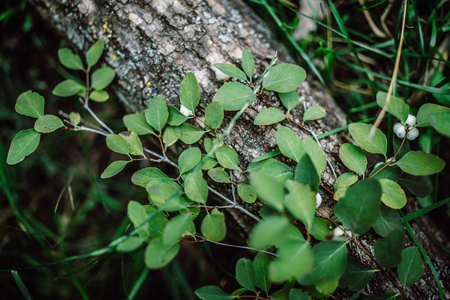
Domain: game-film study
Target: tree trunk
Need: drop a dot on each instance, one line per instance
(152, 45)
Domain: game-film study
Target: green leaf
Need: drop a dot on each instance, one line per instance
(176, 228)
(74, 118)
(196, 188)
(330, 261)
(30, 104)
(157, 113)
(208, 162)
(48, 123)
(248, 63)
(289, 100)
(294, 259)
(99, 96)
(102, 77)
(231, 70)
(268, 189)
(208, 143)
(278, 171)
(411, 267)
(158, 254)
(144, 176)
(213, 226)
(114, 168)
(306, 173)
(134, 143)
(392, 195)
(117, 144)
(273, 231)
(391, 172)
(70, 60)
(425, 111)
(316, 154)
(388, 250)
(169, 137)
(246, 192)
(300, 202)
(233, 96)
(23, 144)
(176, 118)
(314, 112)
(162, 190)
(211, 292)
(227, 157)
(345, 179)
(420, 186)
(94, 53)
(397, 107)
(298, 294)
(261, 268)
(130, 244)
(289, 143)
(188, 159)
(245, 274)
(214, 114)
(320, 229)
(138, 214)
(284, 78)
(356, 275)
(360, 207)
(188, 134)
(420, 163)
(268, 116)
(440, 121)
(67, 88)
(388, 221)
(137, 123)
(189, 92)
(326, 287)
(360, 133)
(219, 175)
(353, 158)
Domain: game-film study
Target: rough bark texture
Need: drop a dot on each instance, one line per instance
(152, 45)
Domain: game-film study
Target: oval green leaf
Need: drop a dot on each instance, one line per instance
(94, 53)
(157, 113)
(397, 107)
(314, 112)
(114, 168)
(423, 115)
(268, 116)
(188, 134)
(227, 157)
(188, 159)
(246, 192)
(290, 143)
(102, 77)
(345, 179)
(67, 88)
(245, 274)
(248, 63)
(300, 202)
(440, 121)
(214, 114)
(176, 228)
(289, 100)
(360, 207)
(48, 123)
(130, 244)
(411, 267)
(388, 221)
(315, 152)
(176, 118)
(158, 254)
(30, 104)
(196, 188)
(99, 96)
(392, 194)
(360, 133)
(134, 143)
(284, 78)
(420, 163)
(213, 226)
(219, 175)
(261, 266)
(23, 144)
(233, 96)
(137, 123)
(231, 70)
(356, 275)
(388, 250)
(117, 144)
(144, 176)
(70, 60)
(353, 158)
(189, 92)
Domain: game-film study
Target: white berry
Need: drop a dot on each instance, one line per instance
(185, 111)
(410, 121)
(318, 200)
(338, 232)
(397, 126)
(400, 132)
(412, 134)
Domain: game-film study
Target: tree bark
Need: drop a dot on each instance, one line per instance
(152, 45)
